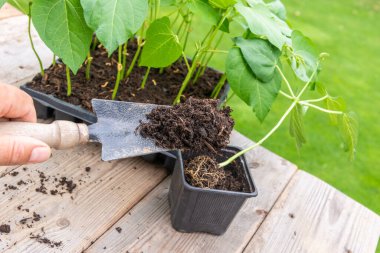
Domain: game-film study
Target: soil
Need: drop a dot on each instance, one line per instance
(196, 124)
(203, 171)
(160, 88)
(5, 228)
(44, 240)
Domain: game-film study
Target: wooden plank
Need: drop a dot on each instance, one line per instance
(101, 198)
(8, 11)
(312, 216)
(148, 229)
(17, 58)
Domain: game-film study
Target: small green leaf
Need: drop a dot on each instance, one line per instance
(162, 46)
(61, 25)
(304, 60)
(296, 127)
(261, 57)
(114, 21)
(349, 129)
(276, 7)
(222, 4)
(21, 5)
(2, 2)
(244, 83)
(261, 21)
(334, 104)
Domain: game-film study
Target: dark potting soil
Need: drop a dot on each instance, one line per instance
(44, 240)
(203, 171)
(5, 228)
(160, 88)
(196, 124)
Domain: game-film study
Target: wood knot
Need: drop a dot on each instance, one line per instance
(261, 212)
(63, 222)
(255, 165)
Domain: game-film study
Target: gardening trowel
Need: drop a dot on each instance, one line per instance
(115, 129)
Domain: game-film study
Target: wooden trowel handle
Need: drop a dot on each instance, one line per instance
(59, 134)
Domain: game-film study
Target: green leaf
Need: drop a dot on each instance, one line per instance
(244, 83)
(261, 21)
(304, 60)
(61, 25)
(222, 4)
(162, 46)
(349, 129)
(114, 21)
(276, 7)
(168, 2)
(205, 11)
(261, 57)
(296, 127)
(2, 2)
(334, 104)
(21, 5)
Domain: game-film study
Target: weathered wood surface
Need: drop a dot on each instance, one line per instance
(312, 216)
(118, 195)
(17, 60)
(148, 229)
(7, 11)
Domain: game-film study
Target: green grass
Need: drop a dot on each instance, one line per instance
(350, 32)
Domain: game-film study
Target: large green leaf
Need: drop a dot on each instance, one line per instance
(276, 6)
(243, 82)
(261, 57)
(304, 60)
(114, 21)
(61, 25)
(349, 129)
(261, 21)
(21, 5)
(222, 4)
(296, 127)
(162, 46)
(168, 2)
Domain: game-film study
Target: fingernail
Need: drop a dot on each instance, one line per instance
(39, 154)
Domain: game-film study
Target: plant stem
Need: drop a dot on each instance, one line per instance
(31, 40)
(95, 41)
(145, 78)
(124, 61)
(285, 80)
(279, 123)
(187, 31)
(218, 87)
(317, 100)
(135, 57)
(286, 95)
(212, 54)
(157, 8)
(186, 61)
(88, 65)
(175, 19)
(119, 70)
(54, 62)
(229, 98)
(320, 108)
(68, 79)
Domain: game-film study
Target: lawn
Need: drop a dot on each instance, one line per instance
(350, 32)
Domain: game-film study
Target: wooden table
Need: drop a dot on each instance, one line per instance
(294, 211)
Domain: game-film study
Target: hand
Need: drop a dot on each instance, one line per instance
(16, 105)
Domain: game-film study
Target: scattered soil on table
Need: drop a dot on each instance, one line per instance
(5, 228)
(197, 124)
(62, 185)
(44, 240)
(203, 171)
(160, 88)
(119, 229)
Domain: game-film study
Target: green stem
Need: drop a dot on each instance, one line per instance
(317, 100)
(279, 123)
(95, 41)
(31, 40)
(54, 61)
(186, 61)
(118, 77)
(218, 87)
(134, 60)
(229, 98)
(145, 78)
(157, 8)
(187, 30)
(286, 95)
(124, 61)
(88, 66)
(175, 19)
(68, 79)
(285, 80)
(320, 108)
(212, 53)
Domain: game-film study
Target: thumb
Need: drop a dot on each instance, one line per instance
(16, 150)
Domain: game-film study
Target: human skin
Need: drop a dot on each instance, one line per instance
(16, 105)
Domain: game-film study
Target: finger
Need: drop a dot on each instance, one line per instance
(17, 150)
(16, 104)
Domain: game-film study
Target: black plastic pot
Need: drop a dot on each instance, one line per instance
(196, 209)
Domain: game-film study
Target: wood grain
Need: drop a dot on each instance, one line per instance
(17, 58)
(8, 11)
(148, 227)
(101, 198)
(312, 216)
